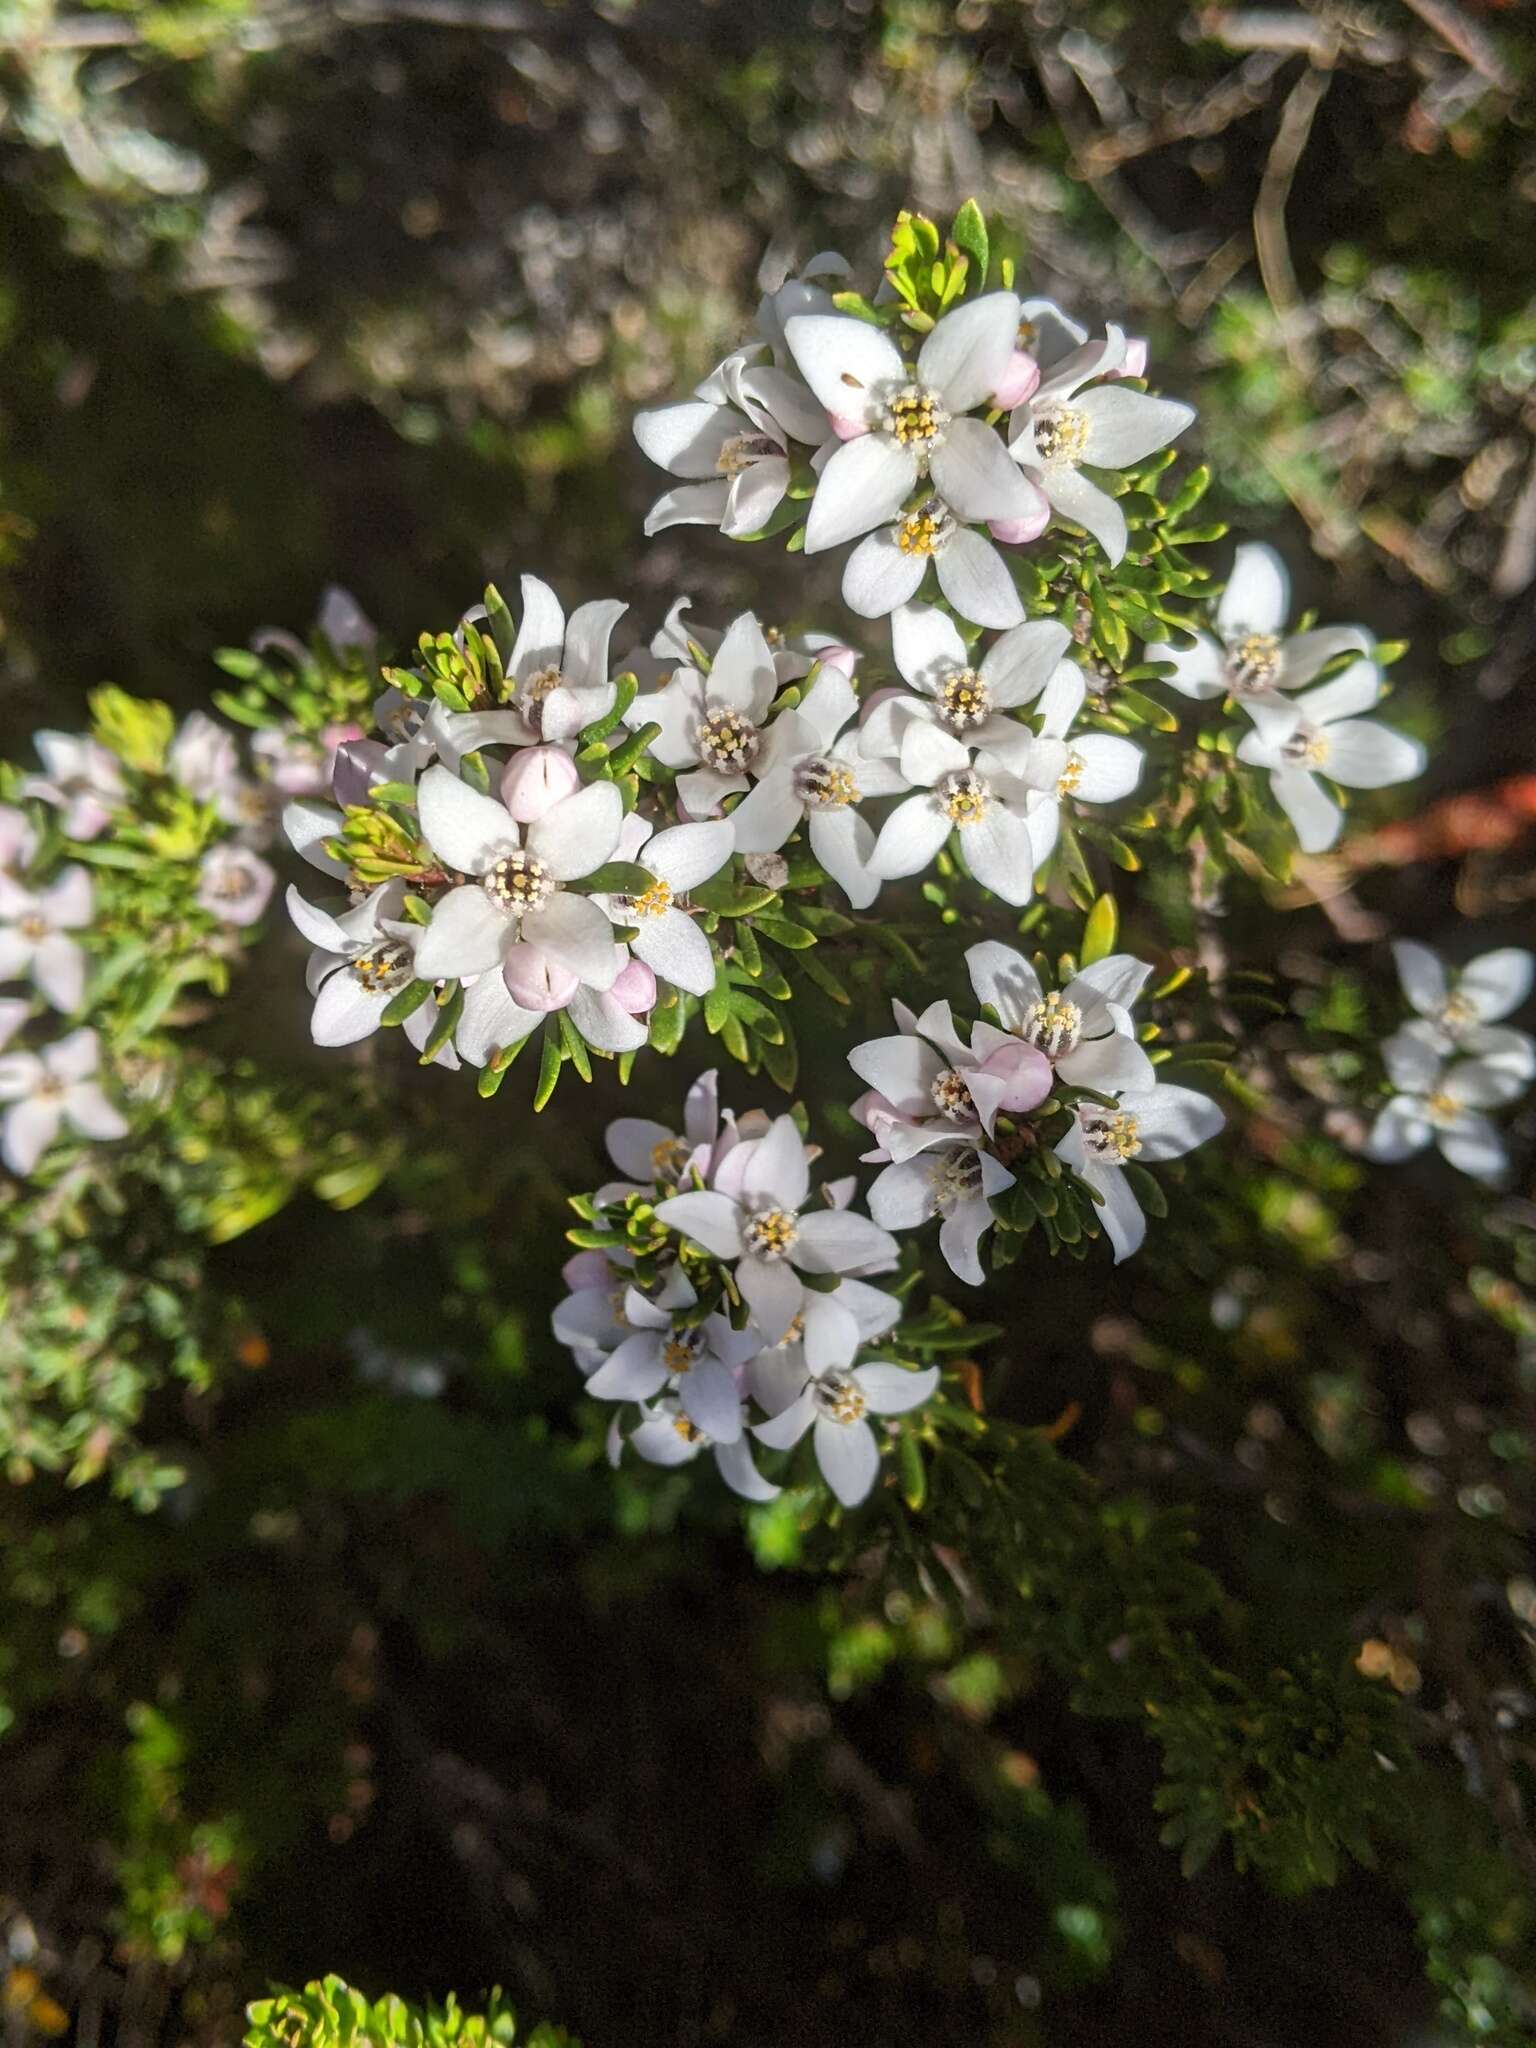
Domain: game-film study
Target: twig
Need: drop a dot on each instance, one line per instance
(1269, 236)
(1464, 37)
(1517, 558)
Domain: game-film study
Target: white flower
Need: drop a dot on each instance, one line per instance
(932, 1088)
(1063, 425)
(1299, 738)
(953, 1181)
(47, 1090)
(18, 839)
(362, 962)
(836, 1405)
(1250, 656)
(804, 769)
(697, 1364)
(985, 807)
(712, 725)
(1462, 1010)
(766, 1236)
(34, 935)
(203, 758)
(81, 778)
(966, 697)
(735, 432)
(653, 1158)
(666, 938)
(561, 674)
(519, 898)
(887, 568)
(1445, 1104)
(1090, 767)
(824, 1337)
(1147, 1124)
(668, 1437)
(899, 422)
(1084, 1030)
(234, 884)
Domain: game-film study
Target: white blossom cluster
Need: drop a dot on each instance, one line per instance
(1323, 732)
(49, 911)
(935, 1100)
(1455, 1059)
(743, 1310)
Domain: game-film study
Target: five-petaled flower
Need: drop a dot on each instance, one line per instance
(47, 1091)
(1321, 733)
(1249, 655)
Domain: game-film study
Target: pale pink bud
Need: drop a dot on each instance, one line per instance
(586, 1269)
(535, 981)
(1135, 364)
(1014, 532)
(844, 659)
(535, 779)
(356, 766)
(1027, 1073)
(1019, 381)
(635, 988)
(846, 429)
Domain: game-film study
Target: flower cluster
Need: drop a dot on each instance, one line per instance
(720, 1298)
(1455, 1059)
(961, 1126)
(129, 871)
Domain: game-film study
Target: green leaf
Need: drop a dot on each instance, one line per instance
(969, 232)
(406, 1003)
(619, 878)
(1100, 931)
(549, 1066)
(784, 933)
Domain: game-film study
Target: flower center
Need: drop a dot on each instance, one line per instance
(616, 1307)
(726, 740)
(915, 418)
(951, 1097)
(964, 699)
(954, 1178)
(518, 884)
(1253, 662)
(49, 1089)
(1071, 775)
(742, 450)
(1306, 747)
(650, 902)
(383, 968)
(1458, 1010)
(668, 1159)
(825, 785)
(679, 1352)
(964, 796)
(1442, 1109)
(33, 927)
(927, 531)
(232, 882)
(1061, 437)
(535, 688)
(1114, 1138)
(770, 1233)
(687, 1430)
(839, 1398)
(1053, 1025)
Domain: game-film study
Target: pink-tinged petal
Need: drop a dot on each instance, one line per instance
(577, 936)
(1022, 1075)
(1017, 533)
(536, 980)
(1020, 380)
(863, 485)
(634, 988)
(536, 779)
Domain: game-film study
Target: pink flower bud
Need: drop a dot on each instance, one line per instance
(1135, 363)
(846, 429)
(535, 981)
(1019, 381)
(356, 766)
(1014, 532)
(586, 1269)
(1027, 1073)
(535, 779)
(844, 659)
(333, 736)
(635, 989)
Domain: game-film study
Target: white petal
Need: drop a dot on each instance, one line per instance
(689, 505)
(844, 843)
(1400, 1130)
(67, 903)
(1124, 426)
(1257, 598)
(773, 1292)
(1074, 498)
(926, 645)
(580, 832)
(842, 1241)
(685, 855)
(1310, 809)
(540, 639)
(1497, 983)
(1422, 974)
(863, 485)
(735, 1466)
(1346, 695)
(58, 968)
(574, 932)
(1021, 664)
(743, 676)
(786, 1428)
(828, 705)
(1005, 979)
(1199, 671)
(605, 1024)
(975, 579)
(778, 1174)
(1474, 1145)
(307, 825)
(1111, 767)
(1487, 1083)
(585, 663)
(1119, 1212)
(676, 951)
(467, 935)
(633, 1372)
(710, 1401)
(999, 854)
(490, 1019)
(845, 361)
(29, 1128)
(467, 831)
(1303, 655)
(631, 1141)
(91, 1114)
(966, 353)
(960, 1236)
(318, 926)
(710, 1220)
(892, 1390)
(686, 439)
(849, 1458)
(878, 577)
(1413, 1059)
(902, 1068)
(345, 1011)
(1172, 1121)
(1365, 755)
(928, 752)
(909, 838)
(764, 820)
(754, 495)
(976, 476)
(901, 1198)
(831, 1332)
(74, 1057)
